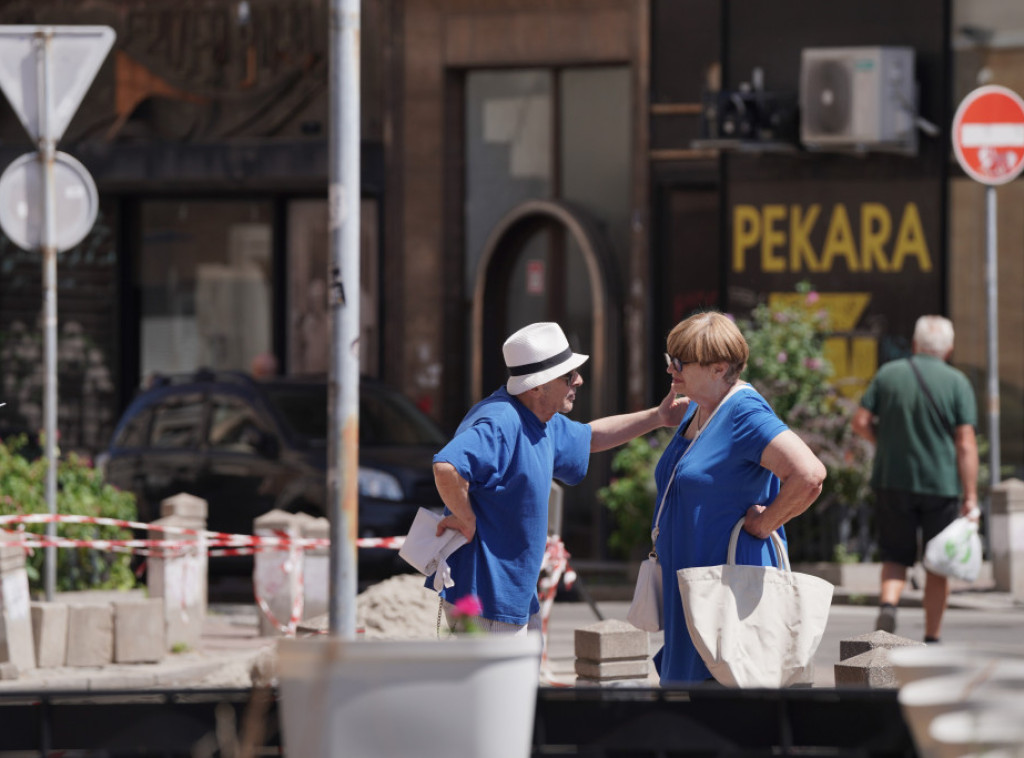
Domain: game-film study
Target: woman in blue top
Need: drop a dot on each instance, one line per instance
(744, 464)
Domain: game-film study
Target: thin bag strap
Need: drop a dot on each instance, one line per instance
(780, 549)
(920, 380)
(657, 519)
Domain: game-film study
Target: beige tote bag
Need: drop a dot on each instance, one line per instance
(755, 626)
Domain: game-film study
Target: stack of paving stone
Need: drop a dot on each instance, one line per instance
(612, 653)
(864, 660)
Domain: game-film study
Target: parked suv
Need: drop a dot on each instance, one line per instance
(247, 446)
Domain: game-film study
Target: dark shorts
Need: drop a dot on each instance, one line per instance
(902, 517)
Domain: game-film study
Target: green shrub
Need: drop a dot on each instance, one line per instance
(80, 491)
(631, 493)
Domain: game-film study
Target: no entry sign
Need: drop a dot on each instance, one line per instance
(988, 134)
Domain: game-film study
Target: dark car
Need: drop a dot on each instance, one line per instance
(247, 446)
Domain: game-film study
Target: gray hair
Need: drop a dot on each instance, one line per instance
(933, 335)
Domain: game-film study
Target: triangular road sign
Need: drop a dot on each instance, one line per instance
(70, 56)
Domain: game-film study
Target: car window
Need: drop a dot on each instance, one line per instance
(234, 426)
(135, 432)
(177, 422)
(388, 418)
(303, 408)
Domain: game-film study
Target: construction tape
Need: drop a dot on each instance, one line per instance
(555, 566)
(218, 543)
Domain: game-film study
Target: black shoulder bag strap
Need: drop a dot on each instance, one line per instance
(928, 394)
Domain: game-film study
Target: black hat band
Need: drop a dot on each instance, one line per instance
(533, 368)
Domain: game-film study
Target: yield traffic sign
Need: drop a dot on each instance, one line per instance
(988, 134)
(45, 72)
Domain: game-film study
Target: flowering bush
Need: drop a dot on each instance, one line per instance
(787, 363)
(787, 366)
(80, 491)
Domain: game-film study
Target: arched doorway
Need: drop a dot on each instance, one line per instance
(547, 260)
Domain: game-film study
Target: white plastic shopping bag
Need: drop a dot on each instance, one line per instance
(955, 551)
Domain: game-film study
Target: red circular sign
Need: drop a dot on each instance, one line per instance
(988, 134)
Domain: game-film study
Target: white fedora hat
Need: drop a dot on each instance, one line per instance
(537, 354)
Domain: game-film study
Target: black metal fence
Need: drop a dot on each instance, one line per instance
(700, 722)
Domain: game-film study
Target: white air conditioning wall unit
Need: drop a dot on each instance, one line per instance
(858, 98)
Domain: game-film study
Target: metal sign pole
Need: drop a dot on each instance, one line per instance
(47, 149)
(343, 198)
(992, 295)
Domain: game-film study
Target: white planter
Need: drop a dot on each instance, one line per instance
(998, 730)
(471, 696)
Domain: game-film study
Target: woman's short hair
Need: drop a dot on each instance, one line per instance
(709, 337)
(934, 335)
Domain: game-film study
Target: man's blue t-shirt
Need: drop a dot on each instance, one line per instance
(509, 457)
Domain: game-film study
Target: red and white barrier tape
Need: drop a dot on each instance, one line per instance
(218, 543)
(554, 568)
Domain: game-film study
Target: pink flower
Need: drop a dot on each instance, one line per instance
(782, 357)
(812, 297)
(814, 364)
(469, 605)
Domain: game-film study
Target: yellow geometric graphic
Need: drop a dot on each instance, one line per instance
(854, 359)
(844, 308)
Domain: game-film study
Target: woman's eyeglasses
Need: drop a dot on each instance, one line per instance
(675, 364)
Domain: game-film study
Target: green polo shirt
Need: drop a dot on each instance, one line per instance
(914, 451)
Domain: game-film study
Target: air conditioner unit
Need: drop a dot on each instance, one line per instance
(858, 98)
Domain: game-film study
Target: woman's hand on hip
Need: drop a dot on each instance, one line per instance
(754, 522)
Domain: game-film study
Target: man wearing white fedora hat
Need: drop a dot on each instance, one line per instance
(495, 474)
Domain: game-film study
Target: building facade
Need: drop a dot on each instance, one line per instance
(522, 160)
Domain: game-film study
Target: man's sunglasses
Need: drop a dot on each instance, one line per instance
(570, 377)
(675, 363)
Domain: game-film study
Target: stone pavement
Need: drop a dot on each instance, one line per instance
(231, 645)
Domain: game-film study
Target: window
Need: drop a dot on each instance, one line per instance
(234, 426)
(136, 431)
(177, 422)
(204, 276)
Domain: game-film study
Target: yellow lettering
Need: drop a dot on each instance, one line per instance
(875, 228)
(910, 241)
(839, 240)
(800, 249)
(772, 239)
(746, 229)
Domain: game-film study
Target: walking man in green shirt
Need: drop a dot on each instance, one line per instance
(920, 413)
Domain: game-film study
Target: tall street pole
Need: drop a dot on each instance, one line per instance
(48, 248)
(343, 197)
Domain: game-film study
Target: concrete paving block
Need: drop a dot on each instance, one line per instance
(871, 669)
(90, 635)
(610, 640)
(634, 668)
(8, 671)
(50, 632)
(854, 646)
(139, 631)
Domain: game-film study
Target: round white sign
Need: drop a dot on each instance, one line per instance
(76, 202)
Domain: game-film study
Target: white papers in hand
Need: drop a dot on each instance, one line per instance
(428, 553)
